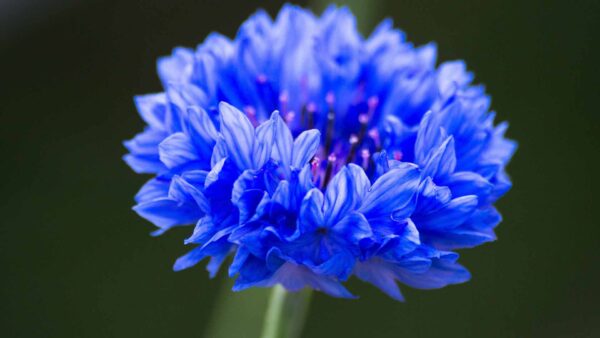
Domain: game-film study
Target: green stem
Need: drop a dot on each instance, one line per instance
(286, 313)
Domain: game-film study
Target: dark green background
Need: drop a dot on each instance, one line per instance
(77, 262)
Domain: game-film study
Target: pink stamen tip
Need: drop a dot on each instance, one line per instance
(262, 79)
(353, 139)
(330, 98)
(363, 118)
(374, 134)
(365, 154)
(250, 111)
(373, 102)
(314, 165)
(397, 155)
(283, 98)
(331, 158)
(289, 117)
(311, 107)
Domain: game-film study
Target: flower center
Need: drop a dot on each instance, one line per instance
(344, 141)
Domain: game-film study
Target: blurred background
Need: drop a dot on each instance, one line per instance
(77, 262)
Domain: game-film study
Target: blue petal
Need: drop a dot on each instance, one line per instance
(218, 249)
(305, 147)
(500, 147)
(293, 277)
(211, 59)
(184, 205)
(223, 171)
(283, 142)
(398, 242)
(431, 196)
(382, 165)
(180, 190)
(345, 193)
(429, 136)
(265, 136)
(252, 271)
(339, 265)
(166, 213)
(202, 232)
(201, 130)
(304, 180)
(379, 274)
(444, 271)
(237, 134)
(217, 246)
(353, 228)
(450, 216)
(143, 157)
(469, 183)
(476, 230)
(153, 189)
(461, 239)
(250, 179)
(219, 151)
(248, 203)
(195, 177)
(238, 261)
(216, 260)
(484, 218)
(189, 259)
(442, 162)
(177, 150)
(392, 192)
(176, 67)
(143, 164)
(182, 96)
(412, 95)
(396, 135)
(311, 211)
(152, 108)
(453, 73)
(502, 185)
(282, 195)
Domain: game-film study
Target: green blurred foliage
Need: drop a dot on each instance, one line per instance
(77, 262)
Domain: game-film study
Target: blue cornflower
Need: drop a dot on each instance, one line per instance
(311, 154)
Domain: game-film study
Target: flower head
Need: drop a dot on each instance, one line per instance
(311, 154)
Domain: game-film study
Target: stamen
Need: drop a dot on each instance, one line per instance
(251, 113)
(366, 156)
(353, 146)
(374, 135)
(330, 123)
(289, 117)
(397, 154)
(330, 99)
(283, 101)
(372, 103)
(330, 163)
(314, 165)
(311, 108)
(364, 121)
(261, 79)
